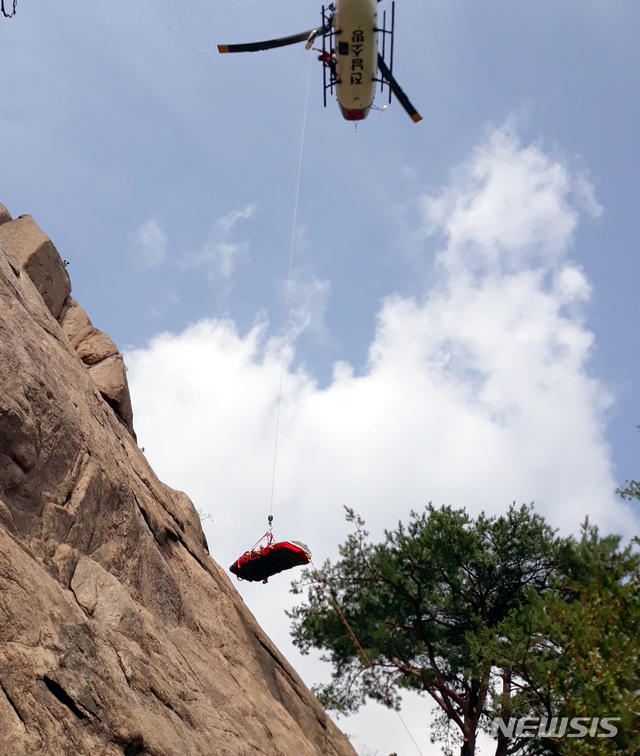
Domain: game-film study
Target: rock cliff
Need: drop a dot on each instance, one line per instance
(119, 634)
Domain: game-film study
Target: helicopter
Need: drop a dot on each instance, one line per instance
(353, 64)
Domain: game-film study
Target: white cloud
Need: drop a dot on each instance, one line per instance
(305, 296)
(509, 206)
(308, 301)
(476, 394)
(164, 302)
(152, 241)
(227, 222)
(219, 254)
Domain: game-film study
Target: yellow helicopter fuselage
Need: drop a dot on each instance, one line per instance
(356, 51)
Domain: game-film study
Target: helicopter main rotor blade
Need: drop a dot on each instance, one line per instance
(397, 90)
(269, 44)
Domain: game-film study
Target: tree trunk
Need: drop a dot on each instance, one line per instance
(503, 740)
(469, 735)
(472, 717)
(468, 747)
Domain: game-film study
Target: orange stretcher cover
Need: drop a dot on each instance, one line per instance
(263, 562)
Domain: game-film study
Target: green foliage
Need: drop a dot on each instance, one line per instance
(5, 12)
(495, 616)
(577, 653)
(630, 491)
(420, 602)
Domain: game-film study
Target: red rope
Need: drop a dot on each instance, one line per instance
(270, 540)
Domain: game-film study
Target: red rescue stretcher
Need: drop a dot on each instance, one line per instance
(261, 562)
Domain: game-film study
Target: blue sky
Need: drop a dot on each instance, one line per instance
(463, 311)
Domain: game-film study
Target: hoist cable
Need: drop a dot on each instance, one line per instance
(287, 294)
(390, 702)
(286, 319)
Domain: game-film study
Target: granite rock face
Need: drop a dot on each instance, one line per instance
(119, 634)
(5, 215)
(101, 355)
(34, 252)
